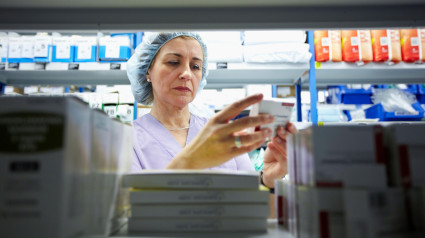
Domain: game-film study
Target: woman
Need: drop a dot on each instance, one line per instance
(169, 69)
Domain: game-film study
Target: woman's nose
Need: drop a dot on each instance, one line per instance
(185, 73)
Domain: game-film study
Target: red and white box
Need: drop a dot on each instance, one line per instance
(406, 143)
(281, 200)
(375, 212)
(321, 212)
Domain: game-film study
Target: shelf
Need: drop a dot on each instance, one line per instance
(273, 231)
(236, 75)
(372, 73)
(109, 15)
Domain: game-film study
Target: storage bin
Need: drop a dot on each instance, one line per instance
(421, 93)
(342, 94)
(377, 111)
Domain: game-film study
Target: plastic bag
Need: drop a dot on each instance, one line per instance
(395, 100)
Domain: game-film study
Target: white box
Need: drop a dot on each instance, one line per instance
(320, 212)
(110, 104)
(85, 48)
(4, 46)
(375, 213)
(42, 48)
(280, 110)
(406, 145)
(44, 165)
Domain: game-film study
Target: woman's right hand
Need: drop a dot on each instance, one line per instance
(215, 144)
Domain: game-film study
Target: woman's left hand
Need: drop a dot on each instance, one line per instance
(274, 165)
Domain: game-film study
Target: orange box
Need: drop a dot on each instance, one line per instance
(366, 54)
(410, 45)
(380, 45)
(321, 46)
(350, 45)
(335, 47)
(395, 49)
(422, 35)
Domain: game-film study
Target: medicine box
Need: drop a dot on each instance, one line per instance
(45, 156)
(280, 110)
(63, 49)
(114, 49)
(110, 103)
(406, 144)
(42, 48)
(375, 212)
(21, 49)
(4, 46)
(85, 49)
(320, 212)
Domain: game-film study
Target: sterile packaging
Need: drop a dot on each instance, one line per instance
(422, 36)
(100, 163)
(4, 46)
(280, 110)
(44, 166)
(350, 45)
(366, 54)
(411, 47)
(85, 48)
(321, 212)
(375, 213)
(114, 49)
(328, 46)
(42, 48)
(406, 145)
(63, 49)
(15, 49)
(386, 46)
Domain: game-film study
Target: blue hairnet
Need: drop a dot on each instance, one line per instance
(139, 63)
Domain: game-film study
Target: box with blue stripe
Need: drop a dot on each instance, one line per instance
(114, 49)
(85, 49)
(63, 49)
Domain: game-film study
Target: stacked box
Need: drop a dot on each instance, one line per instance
(62, 49)
(85, 49)
(4, 45)
(110, 103)
(45, 151)
(42, 48)
(114, 49)
(196, 201)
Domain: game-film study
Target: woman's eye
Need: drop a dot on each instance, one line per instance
(197, 67)
(173, 62)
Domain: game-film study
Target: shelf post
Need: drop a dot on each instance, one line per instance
(135, 110)
(298, 99)
(274, 91)
(312, 81)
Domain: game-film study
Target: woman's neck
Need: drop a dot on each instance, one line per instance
(171, 117)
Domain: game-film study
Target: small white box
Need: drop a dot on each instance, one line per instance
(321, 212)
(4, 46)
(62, 49)
(42, 48)
(85, 48)
(375, 213)
(280, 110)
(44, 165)
(406, 145)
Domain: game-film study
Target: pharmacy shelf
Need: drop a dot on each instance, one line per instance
(372, 73)
(109, 15)
(236, 75)
(273, 231)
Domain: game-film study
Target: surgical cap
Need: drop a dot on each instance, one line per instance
(139, 63)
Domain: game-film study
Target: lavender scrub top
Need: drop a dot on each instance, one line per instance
(154, 147)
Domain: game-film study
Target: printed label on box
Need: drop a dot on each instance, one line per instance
(27, 50)
(112, 50)
(63, 51)
(354, 41)
(84, 51)
(414, 41)
(41, 48)
(14, 50)
(384, 40)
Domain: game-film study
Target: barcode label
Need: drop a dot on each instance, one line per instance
(384, 40)
(325, 41)
(414, 41)
(354, 41)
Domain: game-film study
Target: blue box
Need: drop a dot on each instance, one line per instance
(63, 49)
(342, 94)
(42, 48)
(114, 49)
(85, 49)
(377, 111)
(421, 93)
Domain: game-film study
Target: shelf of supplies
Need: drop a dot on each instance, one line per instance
(372, 73)
(236, 75)
(273, 231)
(100, 15)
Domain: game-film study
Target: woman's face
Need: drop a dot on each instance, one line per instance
(177, 72)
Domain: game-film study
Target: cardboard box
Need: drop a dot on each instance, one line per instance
(85, 49)
(321, 212)
(4, 46)
(42, 48)
(63, 49)
(375, 213)
(406, 145)
(45, 151)
(113, 49)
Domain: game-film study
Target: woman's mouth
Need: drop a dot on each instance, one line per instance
(182, 89)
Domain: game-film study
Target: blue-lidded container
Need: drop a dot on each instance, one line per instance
(341, 94)
(377, 111)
